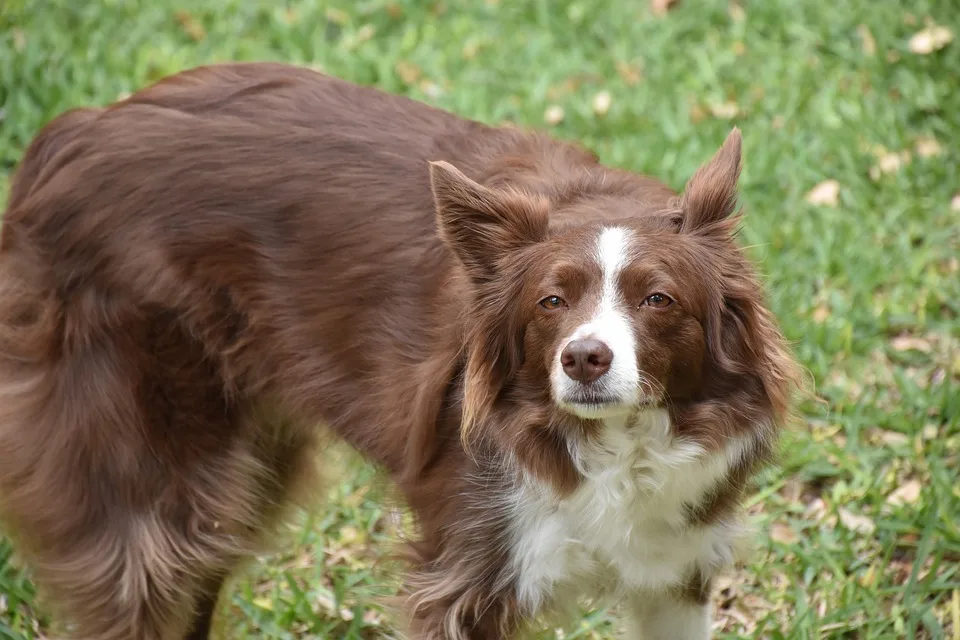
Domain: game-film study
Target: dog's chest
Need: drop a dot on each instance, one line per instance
(626, 528)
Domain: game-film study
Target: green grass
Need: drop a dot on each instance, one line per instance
(868, 290)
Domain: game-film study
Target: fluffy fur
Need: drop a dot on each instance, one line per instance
(195, 278)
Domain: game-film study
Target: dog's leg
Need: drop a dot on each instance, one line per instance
(667, 616)
(202, 625)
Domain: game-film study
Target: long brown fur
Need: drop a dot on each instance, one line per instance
(194, 279)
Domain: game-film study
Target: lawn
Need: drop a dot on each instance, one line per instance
(851, 118)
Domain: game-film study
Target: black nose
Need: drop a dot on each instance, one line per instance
(586, 359)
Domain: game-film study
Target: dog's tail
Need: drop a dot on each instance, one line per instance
(59, 457)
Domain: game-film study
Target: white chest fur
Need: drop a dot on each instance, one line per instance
(624, 529)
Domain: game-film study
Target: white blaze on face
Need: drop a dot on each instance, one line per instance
(610, 324)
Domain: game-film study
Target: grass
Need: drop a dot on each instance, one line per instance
(859, 527)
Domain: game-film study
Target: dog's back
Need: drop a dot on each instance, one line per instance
(187, 278)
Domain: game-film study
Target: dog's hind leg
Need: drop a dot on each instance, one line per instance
(202, 625)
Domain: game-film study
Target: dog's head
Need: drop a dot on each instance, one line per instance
(603, 303)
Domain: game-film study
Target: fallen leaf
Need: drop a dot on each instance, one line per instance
(955, 203)
(409, 73)
(930, 431)
(432, 89)
(191, 26)
(630, 73)
(867, 41)
(697, 114)
(264, 603)
(601, 103)
(724, 110)
(554, 115)
(928, 147)
(931, 39)
(857, 523)
(661, 7)
(907, 493)
(782, 533)
(821, 313)
(825, 194)
(894, 438)
(911, 343)
(889, 163)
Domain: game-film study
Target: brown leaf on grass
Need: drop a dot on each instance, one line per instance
(955, 202)
(431, 89)
(408, 72)
(893, 438)
(825, 194)
(867, 42)
(889, 163)
(661, 7)
(928, 147)
(820, 313)
(630, 72)
(856, 522)
(601, 103)
(724, 110)
(907, 493)
(911, 343)
(554, 115)
(933, 38)
(191, 26)
(697, 114)
(783, 533)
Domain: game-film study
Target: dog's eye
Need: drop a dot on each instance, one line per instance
(551, 303)
(658, 300)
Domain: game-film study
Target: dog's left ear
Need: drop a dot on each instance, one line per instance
(710, 196)
(482, 224)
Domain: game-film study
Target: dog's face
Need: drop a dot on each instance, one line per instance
(616, 322)
(603, 304)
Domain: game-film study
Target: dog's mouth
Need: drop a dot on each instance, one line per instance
(592, 401)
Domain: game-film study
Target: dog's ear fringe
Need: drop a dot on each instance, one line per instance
(710, 196)
(480, 224)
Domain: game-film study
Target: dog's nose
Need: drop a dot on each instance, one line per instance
(586, 359)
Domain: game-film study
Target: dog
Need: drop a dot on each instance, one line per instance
(566, 369)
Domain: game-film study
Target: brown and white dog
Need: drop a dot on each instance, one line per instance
(567, 369)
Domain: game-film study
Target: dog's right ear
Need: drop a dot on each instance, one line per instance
(480, 224)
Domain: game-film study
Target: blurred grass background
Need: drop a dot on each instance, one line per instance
(851, 117)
